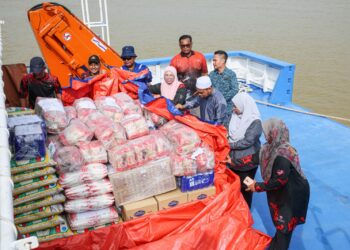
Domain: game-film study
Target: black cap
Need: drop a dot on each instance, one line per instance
(36, 65)
(94, 59)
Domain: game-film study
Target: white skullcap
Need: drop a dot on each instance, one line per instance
(203, 82)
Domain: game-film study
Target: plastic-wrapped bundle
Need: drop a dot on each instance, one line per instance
(29, 142)
(145, 149)
(53, 143)
(150, 147)
(157, 120)
(89, 189)
(71, 112)
(32, 226)
(16, 111)
(41, 202)
(14, 121)
(87, 173)
(139, 151)
(184, 138)
(51, 109)
(201, 160)
(52, 233)
(205, 159)
(108, 106)
(28, 185)
(79, 221)
(135, 126)
(23, 166)
(153, 178)
(93, 152)
(69, 159)
(127, 104)
(84, 106)
(163, 145)
(39, 213)
(111, 135)
(76, 132)
(183, 165)
(122, 157)
(89, 204)
(36, 194)
(31, 174)
(96, 120)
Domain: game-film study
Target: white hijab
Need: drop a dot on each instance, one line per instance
(240, 123)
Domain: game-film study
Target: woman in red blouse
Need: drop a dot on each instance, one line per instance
(285, 184)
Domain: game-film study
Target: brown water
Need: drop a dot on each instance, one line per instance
(313, 34)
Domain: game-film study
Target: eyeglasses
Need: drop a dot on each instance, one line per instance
(127, 58)
(185, 45)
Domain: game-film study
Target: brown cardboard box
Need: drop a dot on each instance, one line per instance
(201, 194)
(171, 199)
(139, 208)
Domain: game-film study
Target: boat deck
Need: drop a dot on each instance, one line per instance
(324, 147)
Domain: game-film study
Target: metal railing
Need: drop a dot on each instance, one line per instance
(7, 229)
(101, 23)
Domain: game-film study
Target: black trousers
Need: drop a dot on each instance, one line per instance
(280, 241)
(248, 196)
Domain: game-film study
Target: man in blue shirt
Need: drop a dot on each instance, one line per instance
(223, 78)
(211, 102)
(129, 56)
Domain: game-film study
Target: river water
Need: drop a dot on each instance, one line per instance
(313, 34)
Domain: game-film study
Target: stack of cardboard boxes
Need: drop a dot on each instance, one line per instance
(164, 201)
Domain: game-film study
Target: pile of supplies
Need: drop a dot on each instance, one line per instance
(37, 196)
(80, 167)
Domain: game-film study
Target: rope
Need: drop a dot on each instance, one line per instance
(303, 112)
(244, 87)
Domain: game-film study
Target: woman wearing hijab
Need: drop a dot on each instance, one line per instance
(170, 87)
(286, 186)
(244, 132)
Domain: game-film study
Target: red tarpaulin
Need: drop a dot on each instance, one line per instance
(220, 222)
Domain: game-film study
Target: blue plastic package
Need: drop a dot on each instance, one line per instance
(12, 122)
(29, 142)
(198, 181)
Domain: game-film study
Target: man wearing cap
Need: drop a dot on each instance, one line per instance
(129, 56)
(211, 102)
(95, 66)
(38, 83)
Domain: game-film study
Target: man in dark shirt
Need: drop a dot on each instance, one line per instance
(223, 78)
(38, 83)
(189, 64)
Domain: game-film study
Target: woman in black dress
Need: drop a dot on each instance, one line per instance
(286, 186)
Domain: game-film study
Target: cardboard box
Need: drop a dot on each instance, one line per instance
(139, 208)
(171, 199)
(201, 194)
(143, 182)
